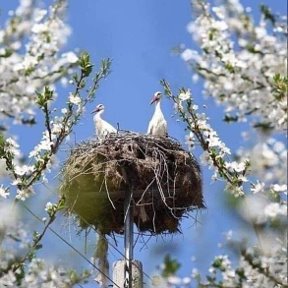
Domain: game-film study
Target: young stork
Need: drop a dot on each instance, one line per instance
(102, 127)
(157, 125)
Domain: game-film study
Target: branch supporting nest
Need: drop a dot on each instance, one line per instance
(165, 180)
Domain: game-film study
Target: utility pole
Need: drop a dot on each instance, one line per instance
(128, 239)
(128, 273)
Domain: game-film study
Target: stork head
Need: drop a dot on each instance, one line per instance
(99, 107)
(156, 97)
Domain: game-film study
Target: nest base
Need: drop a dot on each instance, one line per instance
(164, 180)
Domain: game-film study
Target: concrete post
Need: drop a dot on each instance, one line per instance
(136, 273)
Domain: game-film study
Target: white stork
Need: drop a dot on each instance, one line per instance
(157, 125)
(102, 127)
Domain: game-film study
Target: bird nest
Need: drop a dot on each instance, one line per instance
(164, 180)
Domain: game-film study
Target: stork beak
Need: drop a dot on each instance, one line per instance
(154, 99)
(95, 111)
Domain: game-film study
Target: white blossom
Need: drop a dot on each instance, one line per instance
(272, 210)
(188, 55)
(252, 209)
(195, 273)
(39, 14)
(75, 99)
(258, 187)
(4, 192)
(12, 144)
(219, 11)
(235, 68)
(228, 235)
(279, 188)
(49, 207)
(8, 216)
(71, 57)
(57, 128)
(34, 56)
(23, 169)
(64, 110)
(236, 166)
(174, 280)
(235, 190)
(190, 140)
(185, 95)
(23, 194)
(206, 159)
(240, 60)
(186, 281)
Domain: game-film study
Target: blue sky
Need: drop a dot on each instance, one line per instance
(139, 36)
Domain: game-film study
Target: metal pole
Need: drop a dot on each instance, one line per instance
(128, 273)
(128, 239)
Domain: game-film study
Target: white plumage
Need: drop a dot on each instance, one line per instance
(157, 125)
(102, 127)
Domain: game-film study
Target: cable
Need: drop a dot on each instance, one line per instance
(95, 230)
(71, 246)
(113, 246)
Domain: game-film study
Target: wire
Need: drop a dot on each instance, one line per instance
(114, 247)
(71, 246)
(99, 234)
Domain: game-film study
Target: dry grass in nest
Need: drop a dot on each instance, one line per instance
(164, 178)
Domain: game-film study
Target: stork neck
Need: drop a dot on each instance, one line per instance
(98, 115)
(157, 106)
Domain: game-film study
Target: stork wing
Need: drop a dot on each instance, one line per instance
(109, 128)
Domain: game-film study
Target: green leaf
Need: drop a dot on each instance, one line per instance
(28, 71)
(241, 273)
(210, 279)
(45, 96)
(106, 66)
(265, 127)
(280, 84)
(2, 146)
(265, 10)
(41, 57)
(171, 266)
(230, 67)
(212, 32)
(229, 119)
(217, 263)
(85, 64)
(7, 53)
(251, 48)
(166, 87)
(20, 274)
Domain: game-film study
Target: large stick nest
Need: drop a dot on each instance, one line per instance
(164, 179)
